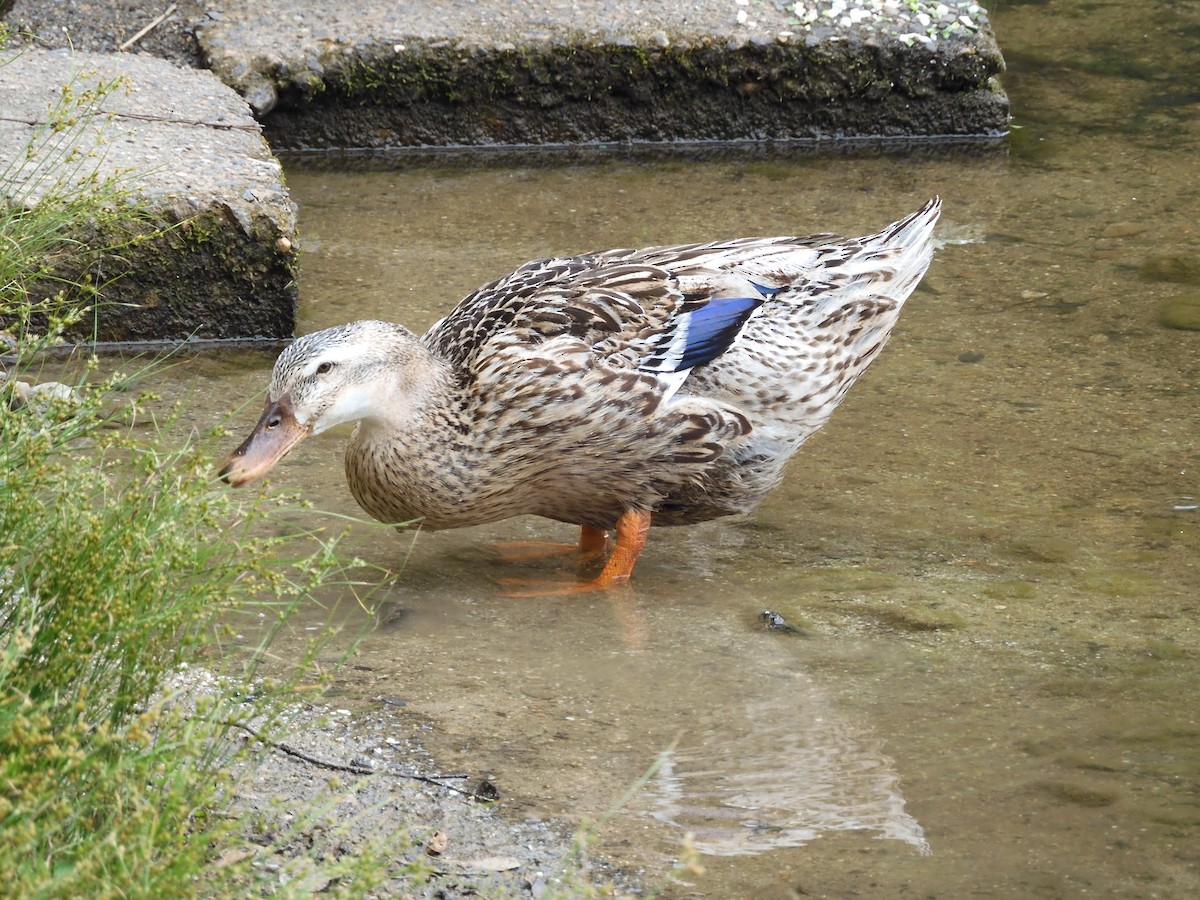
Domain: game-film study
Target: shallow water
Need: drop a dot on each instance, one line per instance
(992, 552)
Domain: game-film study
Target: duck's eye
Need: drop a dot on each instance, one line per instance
(323, 368)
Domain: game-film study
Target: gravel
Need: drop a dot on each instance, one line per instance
(103, 26)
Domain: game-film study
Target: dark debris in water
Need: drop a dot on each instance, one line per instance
(773, 621)
(485, 792)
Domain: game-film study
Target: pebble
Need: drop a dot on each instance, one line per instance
(910, 20)
(1179, 269)
(1123, 229)
(1181, 311)
(41, 396)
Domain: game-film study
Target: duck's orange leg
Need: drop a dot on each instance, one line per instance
(632, 530)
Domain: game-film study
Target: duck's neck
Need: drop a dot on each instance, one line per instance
(423, 398)
(413, 455)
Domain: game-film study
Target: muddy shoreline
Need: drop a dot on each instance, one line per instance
(326, 781)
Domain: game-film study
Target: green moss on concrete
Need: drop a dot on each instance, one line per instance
(202, 277)
(579, 91)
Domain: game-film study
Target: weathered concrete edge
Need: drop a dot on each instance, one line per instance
(606, 95)
(215, 254)
(200, 276)
(573, 87)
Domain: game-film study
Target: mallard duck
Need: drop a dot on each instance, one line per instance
(607, 390)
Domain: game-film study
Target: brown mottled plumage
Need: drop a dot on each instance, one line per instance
(603, 389)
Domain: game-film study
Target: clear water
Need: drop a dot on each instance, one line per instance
(992, 551)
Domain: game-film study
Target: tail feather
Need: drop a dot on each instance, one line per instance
(901, 251)
(909, 242)
(901, 248)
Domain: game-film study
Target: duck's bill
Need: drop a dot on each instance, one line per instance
(276, 433)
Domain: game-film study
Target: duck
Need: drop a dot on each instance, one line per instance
(608, 390)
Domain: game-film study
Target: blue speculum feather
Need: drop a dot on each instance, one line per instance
(766, 290)
(712, 328)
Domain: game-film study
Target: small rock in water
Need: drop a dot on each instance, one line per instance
(485, 791)
(41, 396)
(1181, 311)
(971, 356)
(1123, 229)
(1179, 269)
(1079, 794)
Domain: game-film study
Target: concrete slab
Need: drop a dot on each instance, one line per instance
(225, 266)
(378, 74)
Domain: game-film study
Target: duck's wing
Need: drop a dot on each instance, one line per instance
(631, 313)
(666, 310)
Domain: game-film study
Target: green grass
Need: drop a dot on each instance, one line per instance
(121, 558)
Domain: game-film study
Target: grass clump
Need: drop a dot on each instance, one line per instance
(119, 560)
(117, 565)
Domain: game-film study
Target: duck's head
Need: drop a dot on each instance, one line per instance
(323, 379)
